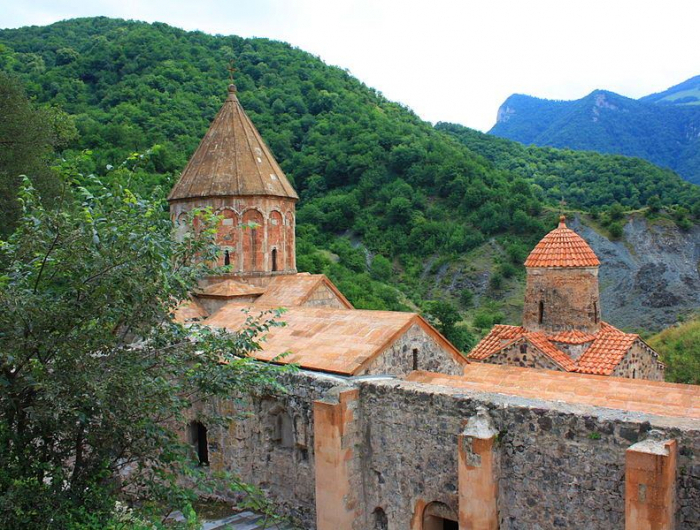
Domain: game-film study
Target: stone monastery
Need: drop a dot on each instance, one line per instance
(387, 426)
(562, 329)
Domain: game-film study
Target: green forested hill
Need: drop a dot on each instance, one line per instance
(662, 128)
(387, 201)
(584, 179)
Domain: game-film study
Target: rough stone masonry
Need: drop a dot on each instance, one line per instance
(380, 452)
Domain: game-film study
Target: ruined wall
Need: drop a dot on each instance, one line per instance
(414, 350)
(323, 296)
(640, 363)
(569, 298)
(271, 444)
(523, 354)
(560, 466)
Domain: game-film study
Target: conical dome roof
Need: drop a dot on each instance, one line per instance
(562, 247)
(232, 160)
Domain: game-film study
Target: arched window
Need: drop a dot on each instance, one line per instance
(415, 358)
(380, 519)
(283, 429)
(198, 439)
(254, 246)
(227, 258)
(596, 318)
(274, 259)
(541, 315)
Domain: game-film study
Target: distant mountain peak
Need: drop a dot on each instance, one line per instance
(662, 128)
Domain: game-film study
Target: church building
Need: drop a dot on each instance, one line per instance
(234, 173)
(387, 426)
(562, 329)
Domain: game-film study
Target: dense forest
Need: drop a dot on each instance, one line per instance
(386, 199)
(661, 128)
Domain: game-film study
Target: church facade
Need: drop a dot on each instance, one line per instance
(387, 426)
(562, 329)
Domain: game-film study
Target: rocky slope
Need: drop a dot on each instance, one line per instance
(650, 276)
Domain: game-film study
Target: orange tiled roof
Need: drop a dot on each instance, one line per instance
(497, 338)
(562, 247)
(292, 290)
(607, 351)
(608, 347)
(539, 340)
(189, 311)
(574, 336)
(330, 340)
(230, 289)
(636, 395)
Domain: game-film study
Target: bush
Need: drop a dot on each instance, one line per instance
(466, 298)
(496, 281)
(381, 268)
(615, 230)
(487, 317)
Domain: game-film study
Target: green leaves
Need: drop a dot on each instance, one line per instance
(94, 372)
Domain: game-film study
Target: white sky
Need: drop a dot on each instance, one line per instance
(448, 60)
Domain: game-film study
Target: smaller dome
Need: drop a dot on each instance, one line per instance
(562, 247)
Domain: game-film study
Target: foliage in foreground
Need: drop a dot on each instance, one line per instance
(679, 347)
(95, 375)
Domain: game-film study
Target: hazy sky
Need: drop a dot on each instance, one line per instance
(447, 60)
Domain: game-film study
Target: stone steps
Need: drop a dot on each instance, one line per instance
(246, 521)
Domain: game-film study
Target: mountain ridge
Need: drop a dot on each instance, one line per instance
(664, 132)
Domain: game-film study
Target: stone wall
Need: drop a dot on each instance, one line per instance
(561, 466)
(523, 354)
(641, 362)
(396, 454)
(271, 443)
(561, 299)
(323, 296)
(414, 350)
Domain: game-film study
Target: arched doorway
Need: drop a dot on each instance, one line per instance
(439, 516)
(198, 439)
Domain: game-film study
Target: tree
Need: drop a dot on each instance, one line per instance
(28, 136)
(95, 374)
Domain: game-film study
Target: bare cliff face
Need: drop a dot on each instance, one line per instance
(648, 278)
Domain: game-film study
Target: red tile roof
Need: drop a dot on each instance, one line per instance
(571, 337)
(189, 311)
(539, 340)
(562, 247)
(497, 338)
(291, 290)
(608, 347)
(229, 289)
(606, 352)
(636, 395)
(329, 340)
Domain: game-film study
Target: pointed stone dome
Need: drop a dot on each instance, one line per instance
(232, 160)
(562, 247)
